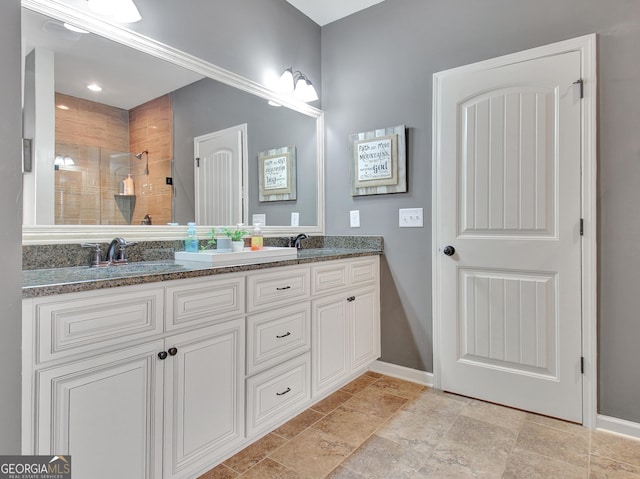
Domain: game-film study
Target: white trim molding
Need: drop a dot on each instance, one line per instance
(402, 372)
(618, 426)
(586, 46)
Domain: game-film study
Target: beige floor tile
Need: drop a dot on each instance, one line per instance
(603, 468)
(253, 454)
(344, 473)
(455, 461)
(529, 465)
(331, 402)
(416, 431)
(313, 453)
(219, 472)
(554, 443)
(616, 447)
(358, 384)
(576, 429)
(432, 403)
(380, 458)
(269, 469)
(499, 415)
(298, 424)
(481, 436)
(371, 401)
(373, 374)
(397, 387)
(351, 426)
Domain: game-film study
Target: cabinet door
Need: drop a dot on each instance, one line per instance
(204, 397)
(330, 357)
(106, 412)
(365, 328)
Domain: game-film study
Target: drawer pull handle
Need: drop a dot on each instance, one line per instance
(283, 289)
(284, 392)
(284, 335)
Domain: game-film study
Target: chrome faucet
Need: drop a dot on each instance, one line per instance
(122, 245)
(298, 239)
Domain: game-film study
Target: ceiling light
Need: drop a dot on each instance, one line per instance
(94, 87)
(73, 28)
(62, 107)
(120, 11)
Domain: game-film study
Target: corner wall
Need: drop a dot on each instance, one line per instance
(377, 68)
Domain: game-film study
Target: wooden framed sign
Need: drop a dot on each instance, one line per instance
(378, 162)
(277, 174)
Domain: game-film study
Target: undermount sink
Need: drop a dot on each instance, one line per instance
(247, 256)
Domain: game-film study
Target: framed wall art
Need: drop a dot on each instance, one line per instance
(378, 162)
(277, 174)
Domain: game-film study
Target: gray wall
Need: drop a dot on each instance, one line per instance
(207, 106)
(393, 49)
(10, 233)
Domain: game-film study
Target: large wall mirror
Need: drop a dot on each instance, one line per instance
(169, 139)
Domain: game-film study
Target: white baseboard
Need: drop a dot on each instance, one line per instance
(618, 426)
(402, 372)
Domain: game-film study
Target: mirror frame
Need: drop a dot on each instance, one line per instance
(52, 234)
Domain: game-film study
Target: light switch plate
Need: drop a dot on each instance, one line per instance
(354, 217)
(295, 219)
(259, 218)
(411, 218)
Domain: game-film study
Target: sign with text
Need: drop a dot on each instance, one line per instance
(275, 173)
(35, 467)
(374, 160)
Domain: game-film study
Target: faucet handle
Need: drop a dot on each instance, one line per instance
(96, 261)
(122, 253)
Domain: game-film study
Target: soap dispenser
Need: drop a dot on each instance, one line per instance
(129, 188)
(191, 241)
(257, 241)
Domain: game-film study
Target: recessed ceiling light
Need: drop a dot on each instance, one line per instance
(62, 107)
(73, 28)
(94, 87)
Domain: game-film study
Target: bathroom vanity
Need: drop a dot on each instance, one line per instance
(170, 376)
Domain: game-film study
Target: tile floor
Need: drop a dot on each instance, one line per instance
(377, 427)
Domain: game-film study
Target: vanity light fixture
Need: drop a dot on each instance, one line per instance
(63, 161)
(120, 11)
(296, 83)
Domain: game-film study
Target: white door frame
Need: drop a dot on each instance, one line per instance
(586, 45)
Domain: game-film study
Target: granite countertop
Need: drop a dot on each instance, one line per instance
(47, 282)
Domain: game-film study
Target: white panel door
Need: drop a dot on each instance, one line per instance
(218, 176)
(509, 204)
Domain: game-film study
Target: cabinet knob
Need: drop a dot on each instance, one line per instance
(351, 298)
(284, 392)
(173, 351)
(284, 335)
(162, 355)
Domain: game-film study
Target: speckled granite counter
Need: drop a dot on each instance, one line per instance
(46, 282)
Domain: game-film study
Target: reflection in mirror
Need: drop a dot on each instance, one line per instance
(143, 130)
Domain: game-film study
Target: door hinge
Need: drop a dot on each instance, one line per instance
(581, 226)
(581, 83)
(581, 364)
(197, 162)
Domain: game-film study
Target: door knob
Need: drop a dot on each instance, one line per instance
(449, 250)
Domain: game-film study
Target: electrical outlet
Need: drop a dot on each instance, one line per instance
(411, 218)
(295, 219)
(354, 217)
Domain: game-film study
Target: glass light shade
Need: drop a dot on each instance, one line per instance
(311, 93)
(285, 84)
(300, 91)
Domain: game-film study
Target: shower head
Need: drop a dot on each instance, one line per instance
(139, 155)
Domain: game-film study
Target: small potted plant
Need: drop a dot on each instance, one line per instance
(212, 241)
(236, 235)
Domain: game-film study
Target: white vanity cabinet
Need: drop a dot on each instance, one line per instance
(345, 320)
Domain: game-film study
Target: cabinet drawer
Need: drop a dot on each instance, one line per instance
(327, 277)
(275, 336)
(364, 271)
(195, 301)
(267, 290)
(83, 322)
(274, 394)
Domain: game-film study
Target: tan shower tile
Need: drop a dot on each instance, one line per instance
(397, 387)
(617, 447)
(298, 424)
(498, 415)
(358, 384)
(219, 472)
(331, 402)
(603, 468)
(351, 426)
(268, 469)
(419, 432)
(380, 458)
(371, 401)
(529, 465)
(254, 453)
(554, 443)
(313, 453)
